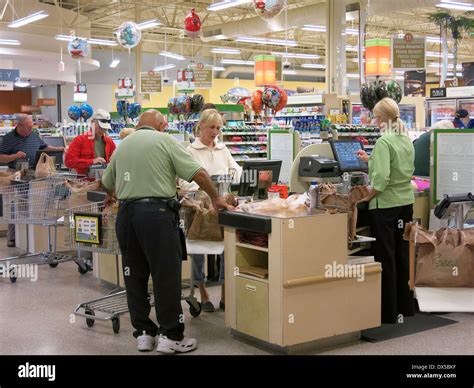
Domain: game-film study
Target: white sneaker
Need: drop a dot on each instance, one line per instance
(145, 342)
(166, 345)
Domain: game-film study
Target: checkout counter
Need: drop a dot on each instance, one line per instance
(298, 303)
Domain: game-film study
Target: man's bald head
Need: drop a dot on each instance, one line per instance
(154, 119)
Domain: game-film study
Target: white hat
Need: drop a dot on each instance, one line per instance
(103, 118)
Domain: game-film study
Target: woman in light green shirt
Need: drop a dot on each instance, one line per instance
(391, 167)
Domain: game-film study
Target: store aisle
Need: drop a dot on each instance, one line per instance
(35, 318)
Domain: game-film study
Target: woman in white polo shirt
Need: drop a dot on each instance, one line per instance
(216, 159)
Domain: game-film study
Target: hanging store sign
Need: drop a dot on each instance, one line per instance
(415, 83)
(185, 81)
(437, 92)
(80, 93)
(30, 109)
(46, 102)
(126, 89)
(265, 70)
(377, 57)
(408, 53)
(203, 76)
(9, 74)
(151, 82)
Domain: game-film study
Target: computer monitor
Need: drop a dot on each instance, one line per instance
(257, 176)
(345, 152)
(58, 155)
(54, 141)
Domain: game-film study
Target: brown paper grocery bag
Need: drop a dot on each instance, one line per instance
(45, 166)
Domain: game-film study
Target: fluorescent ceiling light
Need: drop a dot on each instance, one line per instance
(289, 72)
(433, 39)
(352, 48)
(148, 24)
(352, 31)
(455, 5)
(102, 42)
(172, 55)
(457, 74)
(28, 19)
(352, 75)
(222, 50)
(165, 67)
(356, 60)
(311, 27)
(296, 55)
(237, 62)
(114, 63)
(218, 68)
(313, 65)
(22, 84)
(437, 55)
(227, 4)
(450, 66)
(278, 42)
(10, 42)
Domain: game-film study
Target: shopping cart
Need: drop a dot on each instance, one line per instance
(92, 229)
(38, 202)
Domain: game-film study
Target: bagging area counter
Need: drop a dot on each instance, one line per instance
(310, 292)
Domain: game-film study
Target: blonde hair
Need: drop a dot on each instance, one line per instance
(125, 132)
(390, 113)
(208, 116)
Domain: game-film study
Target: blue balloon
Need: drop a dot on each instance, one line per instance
(74, 112)
(86, 111)
(134, 110)
(122, 106)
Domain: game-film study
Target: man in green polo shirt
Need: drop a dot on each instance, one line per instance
(143, 172)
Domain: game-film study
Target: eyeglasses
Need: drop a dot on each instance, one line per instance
(104, 120)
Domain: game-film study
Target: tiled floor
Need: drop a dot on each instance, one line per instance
(36, 319)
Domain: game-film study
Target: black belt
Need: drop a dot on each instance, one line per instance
(171, 203)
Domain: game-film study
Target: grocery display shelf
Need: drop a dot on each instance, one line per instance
(243, 133)
(247, 152)
(369, 134)
(244, 142)
(244, 159)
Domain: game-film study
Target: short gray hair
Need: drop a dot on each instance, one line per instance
(443, 124)
(21, 118)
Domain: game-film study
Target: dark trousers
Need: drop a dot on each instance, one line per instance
(149, 241)
(392, 251)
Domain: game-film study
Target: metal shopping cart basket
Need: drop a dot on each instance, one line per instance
(38, 202)
(92, 229)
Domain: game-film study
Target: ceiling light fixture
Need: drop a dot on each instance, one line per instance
(433, 39)
(218, 68)
(237, 62)
(289, 72)
(455, 5)
(114, 63)
(352, 31)
(349, 75)
(278, 42)
(450, 66)
(437, 55)
(311, 27)
(148, 24)
(28, 19)
(352, 48)
(22, 84)
(227, 4)
(165, 67)
(172, 55)
(222, 50)
(296, 55)
(102, 42)
(10, 42)
(313, 65)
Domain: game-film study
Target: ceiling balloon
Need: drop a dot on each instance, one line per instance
(268, 9)
(128, 35)
(192, 24)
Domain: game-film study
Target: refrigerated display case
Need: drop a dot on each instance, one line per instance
(360, 115)
(440, 110)
(408, 115)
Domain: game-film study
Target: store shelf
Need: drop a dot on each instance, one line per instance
(243, 133)
(243, 160)
(247, 152)
(244, 142)
(250, 246)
